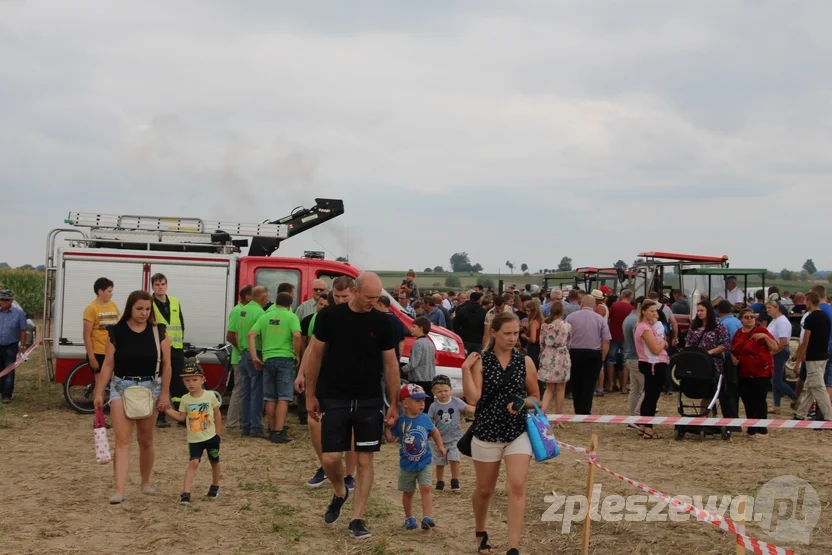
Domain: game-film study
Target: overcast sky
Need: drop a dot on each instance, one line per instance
(523, 130)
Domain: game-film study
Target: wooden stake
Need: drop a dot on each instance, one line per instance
(741, 524)
(590, 483)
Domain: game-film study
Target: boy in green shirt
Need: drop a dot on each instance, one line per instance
(200, 410)
(279, 332)
(251, 383)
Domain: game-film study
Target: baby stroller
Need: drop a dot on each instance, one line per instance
(698, 378)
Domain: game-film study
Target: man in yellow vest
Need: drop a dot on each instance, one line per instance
(167, 311)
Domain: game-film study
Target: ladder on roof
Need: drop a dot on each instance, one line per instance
(181, 225)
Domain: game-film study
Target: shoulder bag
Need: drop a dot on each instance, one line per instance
(137, 400)
(464, 443)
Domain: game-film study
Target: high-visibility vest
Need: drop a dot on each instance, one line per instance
(174, 327)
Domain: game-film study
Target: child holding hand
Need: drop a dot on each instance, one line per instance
(412, 431)
(200, 410)
(445, 412)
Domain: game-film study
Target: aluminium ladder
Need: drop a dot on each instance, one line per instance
(176, 225)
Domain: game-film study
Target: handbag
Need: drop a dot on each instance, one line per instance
(541, 435)
(464, 443)
(102, 446)
(137, 400)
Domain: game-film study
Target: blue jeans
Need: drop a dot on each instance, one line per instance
(779, 387)
(279, 379)
(251, 405)
(8, 355)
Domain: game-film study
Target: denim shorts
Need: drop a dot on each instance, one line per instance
(118, 385)
(616, 352)
(279, 379)
(827, 375)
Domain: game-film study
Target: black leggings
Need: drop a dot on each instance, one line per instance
(654, 375)
(754, 394)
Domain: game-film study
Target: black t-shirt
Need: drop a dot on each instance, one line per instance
(799, 309)
(818, 323)
(135, 352)
(304, 325)
(352, 367)
(399, 332)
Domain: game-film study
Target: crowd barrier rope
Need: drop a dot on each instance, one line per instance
(21, 359)
(744, 541)
(690, 421)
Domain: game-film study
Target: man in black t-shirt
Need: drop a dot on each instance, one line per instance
(814, 350)
(341, 293)
(353, 347)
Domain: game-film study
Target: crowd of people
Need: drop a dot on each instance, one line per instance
(338, 356)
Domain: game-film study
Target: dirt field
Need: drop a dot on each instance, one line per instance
(55, 495)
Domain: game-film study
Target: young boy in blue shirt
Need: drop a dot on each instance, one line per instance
(412, 431)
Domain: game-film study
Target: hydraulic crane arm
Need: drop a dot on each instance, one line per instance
(300, 220)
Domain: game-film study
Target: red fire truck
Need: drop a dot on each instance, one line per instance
(205, 269)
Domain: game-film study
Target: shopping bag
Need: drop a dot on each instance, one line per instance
(541, 436)
(102, 446)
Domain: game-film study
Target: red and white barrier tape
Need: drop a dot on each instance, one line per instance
(21, 359)
(689, 421)
(574, 449)
(755, 545)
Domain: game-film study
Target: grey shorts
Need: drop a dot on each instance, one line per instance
(453, 454)
(408, 480)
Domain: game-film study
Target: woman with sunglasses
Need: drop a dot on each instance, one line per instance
(751, 354)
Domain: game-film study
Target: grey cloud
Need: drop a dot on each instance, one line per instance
(585, 112)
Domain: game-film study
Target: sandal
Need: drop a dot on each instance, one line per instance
(484, 548)
(650, 433)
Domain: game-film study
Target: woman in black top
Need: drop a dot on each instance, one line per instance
(131, 360)
(497, 382)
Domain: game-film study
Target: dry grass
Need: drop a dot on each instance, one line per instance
(54, 494)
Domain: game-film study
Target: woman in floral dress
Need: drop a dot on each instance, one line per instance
(706, 333)
(555, 364)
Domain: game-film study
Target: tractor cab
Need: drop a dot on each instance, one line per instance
(663, 272)
(561, 280)
(711, 283)
(614, 278)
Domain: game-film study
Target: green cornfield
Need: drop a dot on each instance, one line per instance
(27, 286)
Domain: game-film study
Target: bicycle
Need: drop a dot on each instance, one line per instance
(79, 386)
(79, 389)
(223, 353)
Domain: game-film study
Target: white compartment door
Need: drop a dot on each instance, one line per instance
(203, 293)
(78, 279)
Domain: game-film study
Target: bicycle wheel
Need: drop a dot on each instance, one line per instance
(79, 389)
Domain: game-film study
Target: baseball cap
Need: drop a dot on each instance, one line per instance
(412, 391)
(6, 295)
(605, 289)
(191, 369)
(441, 379)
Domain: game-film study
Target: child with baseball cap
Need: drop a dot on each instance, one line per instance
(201, 411)
(412, 431)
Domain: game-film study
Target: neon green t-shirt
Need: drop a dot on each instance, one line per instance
(233, 319)
(276, 328)
(199, 416)
(249, 315)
